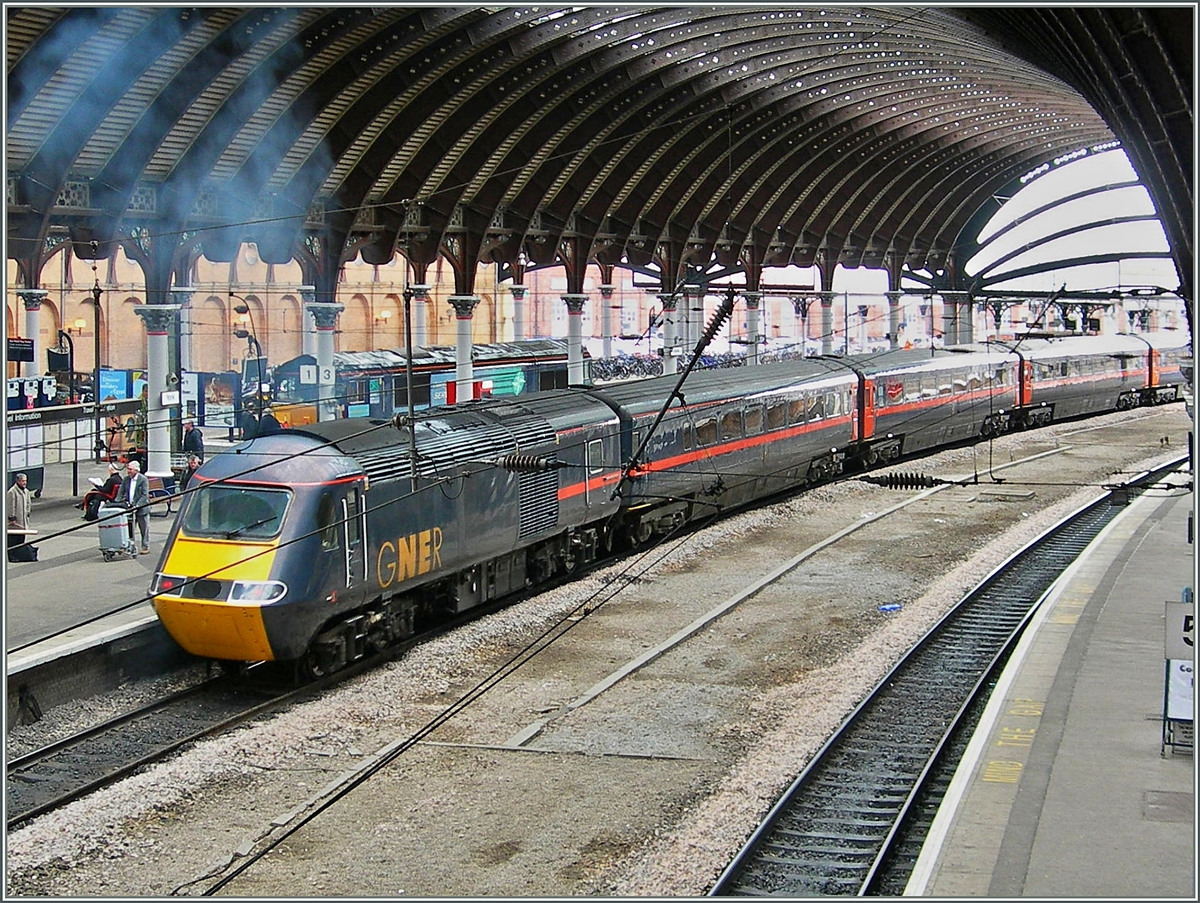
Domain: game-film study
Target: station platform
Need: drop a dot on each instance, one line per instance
(75, 624)
(1068, 789)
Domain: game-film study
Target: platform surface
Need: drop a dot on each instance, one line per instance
(1067, 789)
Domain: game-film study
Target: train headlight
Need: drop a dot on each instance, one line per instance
(257, 591)
(168, 585)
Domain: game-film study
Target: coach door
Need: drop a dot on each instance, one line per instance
(354, 534)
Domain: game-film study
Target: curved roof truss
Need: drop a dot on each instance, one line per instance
(753, 135)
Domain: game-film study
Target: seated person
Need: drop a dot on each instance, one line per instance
(105, 493)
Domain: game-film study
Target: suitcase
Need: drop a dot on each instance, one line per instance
(115, 539)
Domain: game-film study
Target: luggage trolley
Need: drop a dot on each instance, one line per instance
(116, 538)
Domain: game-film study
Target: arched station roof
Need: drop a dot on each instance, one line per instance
(671, 135)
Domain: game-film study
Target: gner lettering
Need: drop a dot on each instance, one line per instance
(410, 556)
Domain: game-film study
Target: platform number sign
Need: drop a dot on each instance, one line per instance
(1181, 630)
(1179, 703)
(326, 375)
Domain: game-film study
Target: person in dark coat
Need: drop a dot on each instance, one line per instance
(248, 424)
(193, 440)
(268, 425)
(193, 465)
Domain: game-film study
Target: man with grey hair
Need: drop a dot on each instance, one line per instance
(135, 495)
(19, 503)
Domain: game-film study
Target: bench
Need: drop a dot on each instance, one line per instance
(158, 493)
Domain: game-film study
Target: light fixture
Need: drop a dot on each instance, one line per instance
(383, 317)
(76, 328)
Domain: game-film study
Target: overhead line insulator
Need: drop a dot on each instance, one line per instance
(904, 481)
(528, 463)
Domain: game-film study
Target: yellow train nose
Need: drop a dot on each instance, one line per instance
(212, 626)
(215, 629)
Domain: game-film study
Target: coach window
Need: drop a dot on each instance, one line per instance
(706, 431)
(816, 407)
(327, 522)
(777, 415)
(595, 456)
(731, 425)
(892, 393)
(754, 420)
(796, 410)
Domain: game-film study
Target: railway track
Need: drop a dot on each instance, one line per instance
(64, 771)
(61, 772)
(853, 821)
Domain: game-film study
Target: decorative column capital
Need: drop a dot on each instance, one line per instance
(606, 291)
(826, 299)
(575, 303)
(518, 291)
(464, 305)
(32, 297)
(308, 293)
(753, 299)
(324, 314)
(669, 300)
(181, 296)
(893, 297)
(955, 297)
(420, 292)
(157, 318)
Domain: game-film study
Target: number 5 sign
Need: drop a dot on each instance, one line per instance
(1181, 630)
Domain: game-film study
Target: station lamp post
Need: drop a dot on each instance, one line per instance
(95, 299)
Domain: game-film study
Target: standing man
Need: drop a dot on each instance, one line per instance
(193, 440)
(135, 495)
(193, 465)
(19, 503)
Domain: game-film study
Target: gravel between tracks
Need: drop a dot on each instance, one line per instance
(646, 791)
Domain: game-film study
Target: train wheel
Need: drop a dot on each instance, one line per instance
(320, 661)
(606, 539)
(232, 669)
(311, 666)
(638, 534)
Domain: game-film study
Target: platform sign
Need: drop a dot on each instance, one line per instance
(1180, 630)
(1181, 689)
(1179, 692)
(20, 349)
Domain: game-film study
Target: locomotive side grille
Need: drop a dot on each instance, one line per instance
(539, 502)
(385, 464)
(533, 435)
